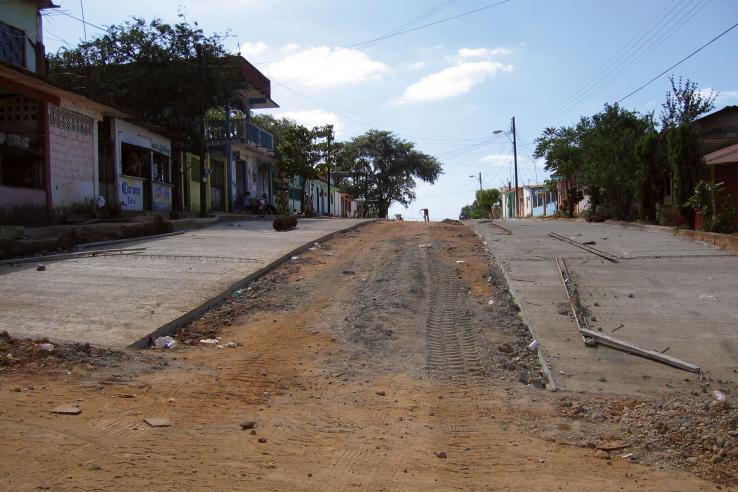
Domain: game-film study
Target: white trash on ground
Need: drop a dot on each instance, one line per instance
(719, 395)
(165, 342)
(210, 341)
(533, 346)
(46, 347)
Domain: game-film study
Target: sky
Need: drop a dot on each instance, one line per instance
(460, 72)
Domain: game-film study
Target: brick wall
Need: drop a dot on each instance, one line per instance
(72, 155)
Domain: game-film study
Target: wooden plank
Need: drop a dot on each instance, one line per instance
(69, 256)
(633, 349)
(594, 251)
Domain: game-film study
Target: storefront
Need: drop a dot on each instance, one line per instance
(144, 169)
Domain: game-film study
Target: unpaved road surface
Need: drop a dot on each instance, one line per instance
(371, 363)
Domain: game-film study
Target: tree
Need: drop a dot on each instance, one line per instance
(390, 167)
(609, 166)
(685, 103)
(486, 199)
(560, 149)
(653, 173)
(685, 160)
(299, 150)
(152, 70)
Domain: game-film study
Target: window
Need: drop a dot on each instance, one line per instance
(12, 45)
(161, 168)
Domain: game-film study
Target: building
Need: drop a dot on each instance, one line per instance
(241, 155)
(61, 152)
(538, 201)
(719, 139)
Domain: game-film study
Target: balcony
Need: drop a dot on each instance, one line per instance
(217, 132)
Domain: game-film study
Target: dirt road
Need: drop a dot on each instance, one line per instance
(376, 362)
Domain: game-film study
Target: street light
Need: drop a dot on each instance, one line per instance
(515, 158)
(480, 179)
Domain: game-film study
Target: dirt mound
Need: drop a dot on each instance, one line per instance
(20, 354)
(451, 222)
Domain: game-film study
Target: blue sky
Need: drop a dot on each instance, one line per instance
(447, 87)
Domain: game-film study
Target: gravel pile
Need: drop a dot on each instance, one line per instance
(696, 432)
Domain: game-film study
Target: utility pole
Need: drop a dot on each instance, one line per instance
(201, 131)
(480, 180)
(515, 158)
(328, 161)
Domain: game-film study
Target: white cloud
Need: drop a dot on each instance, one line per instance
(465, 53)
(253, 49)
(323, 66)
(451, 81)
(314, 117)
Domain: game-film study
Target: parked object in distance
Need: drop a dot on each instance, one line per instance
(284, 223)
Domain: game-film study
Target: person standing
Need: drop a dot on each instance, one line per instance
(425, 214)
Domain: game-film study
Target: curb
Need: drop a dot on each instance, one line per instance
(174, 325)
(551, 384)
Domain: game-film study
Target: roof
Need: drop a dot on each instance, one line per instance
(258, 94)
(32, 85)
(726, 155)
(45, 4)
(719, 112)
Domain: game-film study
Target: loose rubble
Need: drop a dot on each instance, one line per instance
(697, 431)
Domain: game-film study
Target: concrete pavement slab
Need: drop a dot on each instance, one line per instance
(666, 293)
(115, 301)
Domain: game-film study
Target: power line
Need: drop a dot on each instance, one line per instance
(679, 62)
(414, 20)
(642, 46)
(67, 14)
(405, 31)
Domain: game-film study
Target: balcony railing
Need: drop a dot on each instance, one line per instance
(242, 131)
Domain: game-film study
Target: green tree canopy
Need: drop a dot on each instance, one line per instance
(560, 148)
(389, 166)
(487, 198)
(608, 143)
(151, 69)
(300, 151)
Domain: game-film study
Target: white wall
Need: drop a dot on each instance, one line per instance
(73, 154)
(22, 15)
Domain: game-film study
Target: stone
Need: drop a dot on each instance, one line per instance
(441, 454)
(692, 460)
(41, 268)
(249, 424)
(381, 393)
(158, 422)
(262, 440)
(505, 348)
(67, 410)
(602, 454)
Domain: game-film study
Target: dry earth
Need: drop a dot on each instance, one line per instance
(371, 363)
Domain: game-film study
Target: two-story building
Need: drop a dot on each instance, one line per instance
(62, 153)
(241, 155)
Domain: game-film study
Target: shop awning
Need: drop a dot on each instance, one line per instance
(726, 155)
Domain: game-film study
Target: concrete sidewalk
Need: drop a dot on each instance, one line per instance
(116, 301)
(666, 293)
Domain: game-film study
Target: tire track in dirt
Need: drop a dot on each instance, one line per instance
(451, 343)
